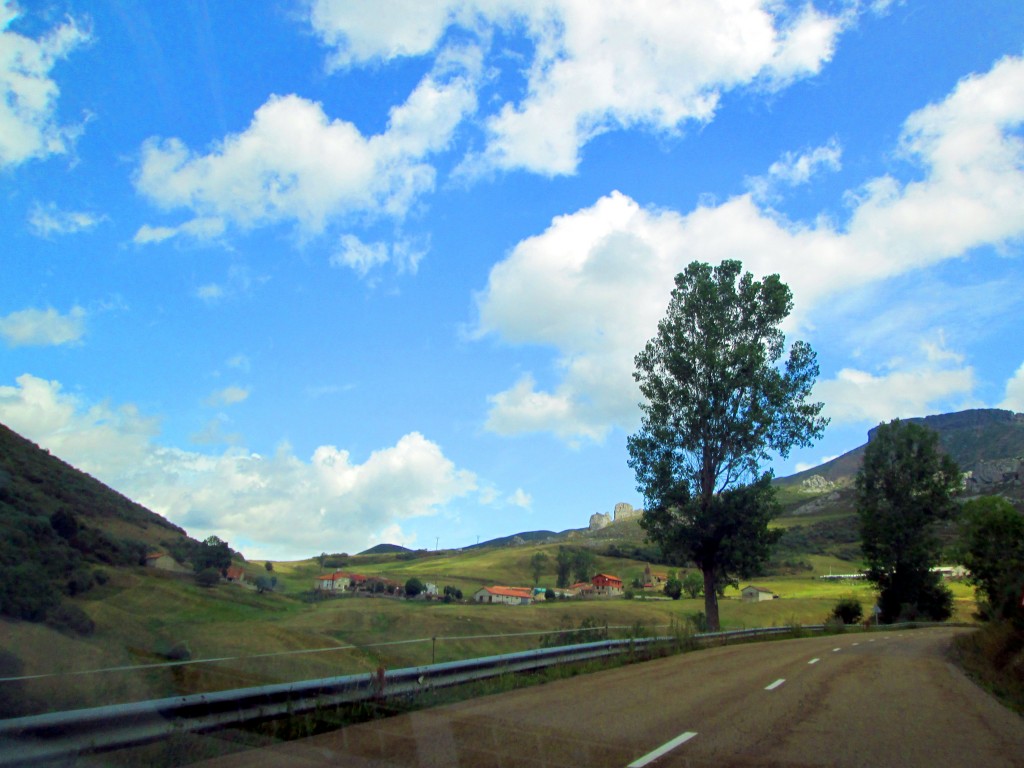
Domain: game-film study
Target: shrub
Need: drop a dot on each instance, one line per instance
(413, 587)
(70, 620)
(208, 577)
(834, 625)
(848, 610)
(674, 588)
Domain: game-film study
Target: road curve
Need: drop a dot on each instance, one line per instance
(878, 699)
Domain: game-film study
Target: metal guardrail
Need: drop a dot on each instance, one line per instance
(61, 735)
(57, 735)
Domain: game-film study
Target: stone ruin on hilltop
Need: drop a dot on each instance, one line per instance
(622, 511)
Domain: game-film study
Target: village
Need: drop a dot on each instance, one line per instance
(601, 586)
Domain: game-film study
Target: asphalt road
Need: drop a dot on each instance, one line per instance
(879, 699)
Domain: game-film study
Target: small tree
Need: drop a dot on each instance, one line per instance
(563, 566)
(717, 404)
(538, 564)
(693, 585)
(992, 549)
(264, 583)
(413, 587)
(848, 610)
(583, 564)
(673, 587)
(269, 566)
(905, 487)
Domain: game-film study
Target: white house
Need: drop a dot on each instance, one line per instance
(332, 582)
(505, 595)
(752, 594)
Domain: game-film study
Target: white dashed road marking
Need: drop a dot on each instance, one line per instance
(814, 661)
(668, 746)
(775, 685)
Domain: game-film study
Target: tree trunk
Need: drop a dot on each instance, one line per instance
(711, 599)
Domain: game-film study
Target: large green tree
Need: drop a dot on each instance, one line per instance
(905, 490)
(992, 549)
(719, 402)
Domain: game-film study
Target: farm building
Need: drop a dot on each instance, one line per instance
(752, 594)
(332, 582)
(505, 595)
(607, 585)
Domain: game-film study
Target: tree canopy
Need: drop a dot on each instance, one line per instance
(905, 488)
(718, 404)
(992, 541)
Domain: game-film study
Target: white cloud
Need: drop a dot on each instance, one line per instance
(200, 228)
(294, 164)
(228, 396)
(284, 506)
(47, 220)
(42, 327)
(596, 66)
(520, 498)
(935, 380)
(28, 109)
(794, 169)
(1014, 400)
(802, 466)
(595, 283)
(359, 256)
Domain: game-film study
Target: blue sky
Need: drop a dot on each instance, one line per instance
(330, 274)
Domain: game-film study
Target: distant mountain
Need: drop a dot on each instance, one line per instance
(385, 549)
(973, 438)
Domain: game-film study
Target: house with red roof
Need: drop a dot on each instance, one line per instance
(332, 582)
(607, 585)
(504, 595)
(235, 573)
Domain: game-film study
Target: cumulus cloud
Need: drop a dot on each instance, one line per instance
(595, 67)
(282, 505)
(1014, 400)
(47, 220)
(594, 284)
(42, 327)
(295, 164)
(29, 126)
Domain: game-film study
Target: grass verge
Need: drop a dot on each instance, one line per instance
(994, 658)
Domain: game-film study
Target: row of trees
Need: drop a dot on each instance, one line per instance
(720, 400)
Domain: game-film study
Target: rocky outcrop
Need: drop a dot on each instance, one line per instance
(994, 472)
(624, 511)
(600, 520)
(816, 484)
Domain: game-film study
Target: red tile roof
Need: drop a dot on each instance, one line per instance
(510, 591)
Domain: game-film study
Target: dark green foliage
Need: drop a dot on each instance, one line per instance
(674, 587)
(583, 564)
(208, 577)
(563, 567)
(26, 591)
(211, 553)
(905, 490)
(453, 592)
(70, 620)
(264, 583)
(269, 566)
(848, 610)
(992, 549)
(549, 594)
(413, 587)
(717, 405)
(538, 564)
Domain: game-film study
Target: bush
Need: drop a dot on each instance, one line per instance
(848, 610)
(413, 587)
(674, 588)
(70, 620)
(834, 625)
(208, 577)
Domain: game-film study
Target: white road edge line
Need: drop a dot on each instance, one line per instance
(775, 685)
(668, 746)
(836, 649)
(814, 661)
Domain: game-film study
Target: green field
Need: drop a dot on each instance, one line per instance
(141, 614)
